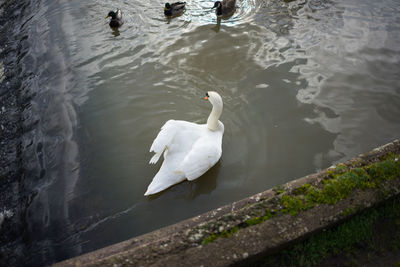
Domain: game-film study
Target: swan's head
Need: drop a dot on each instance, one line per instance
(214, 98)
(167, 6)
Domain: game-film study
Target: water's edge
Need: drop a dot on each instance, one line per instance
(178, 244)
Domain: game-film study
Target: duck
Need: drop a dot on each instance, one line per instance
(225, 8)
(116, 18)
(189, 149)
(174, 9)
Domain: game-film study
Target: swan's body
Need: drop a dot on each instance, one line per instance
(190, 149)
(225, 8)
(174, 9)
(116, 18)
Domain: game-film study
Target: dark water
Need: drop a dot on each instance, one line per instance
(305, 84)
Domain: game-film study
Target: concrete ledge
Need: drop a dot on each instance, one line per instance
(236, 241)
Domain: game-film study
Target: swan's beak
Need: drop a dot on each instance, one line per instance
(206, 97)
(165, 8)
(107, 16)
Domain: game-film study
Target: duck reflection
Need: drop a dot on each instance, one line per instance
(115, 32)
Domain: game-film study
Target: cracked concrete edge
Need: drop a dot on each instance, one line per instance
(174, 245)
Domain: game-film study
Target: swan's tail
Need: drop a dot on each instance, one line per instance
(157, 186)
(164, 179)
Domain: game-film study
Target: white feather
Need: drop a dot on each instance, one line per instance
(163, 139)
(119, 14)
(204, 154)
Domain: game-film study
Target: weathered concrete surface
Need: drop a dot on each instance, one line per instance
(181, 244)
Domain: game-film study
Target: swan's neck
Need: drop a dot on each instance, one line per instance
(212, 121)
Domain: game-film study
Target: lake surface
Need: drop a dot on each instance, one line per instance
(305, 84)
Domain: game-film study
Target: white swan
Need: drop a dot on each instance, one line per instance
(190, 149)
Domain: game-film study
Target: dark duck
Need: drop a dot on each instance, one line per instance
(116, 18)
(174, 9)
(225, 8)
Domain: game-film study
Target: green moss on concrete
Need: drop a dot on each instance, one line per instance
(385, 170)
(340, 182)
(360, 230)
(223, 234)
(278, 190)
(294, 204)
(257, 220)
(209, 239)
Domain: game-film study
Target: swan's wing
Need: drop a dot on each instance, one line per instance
(201, 157)
(163, 139)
